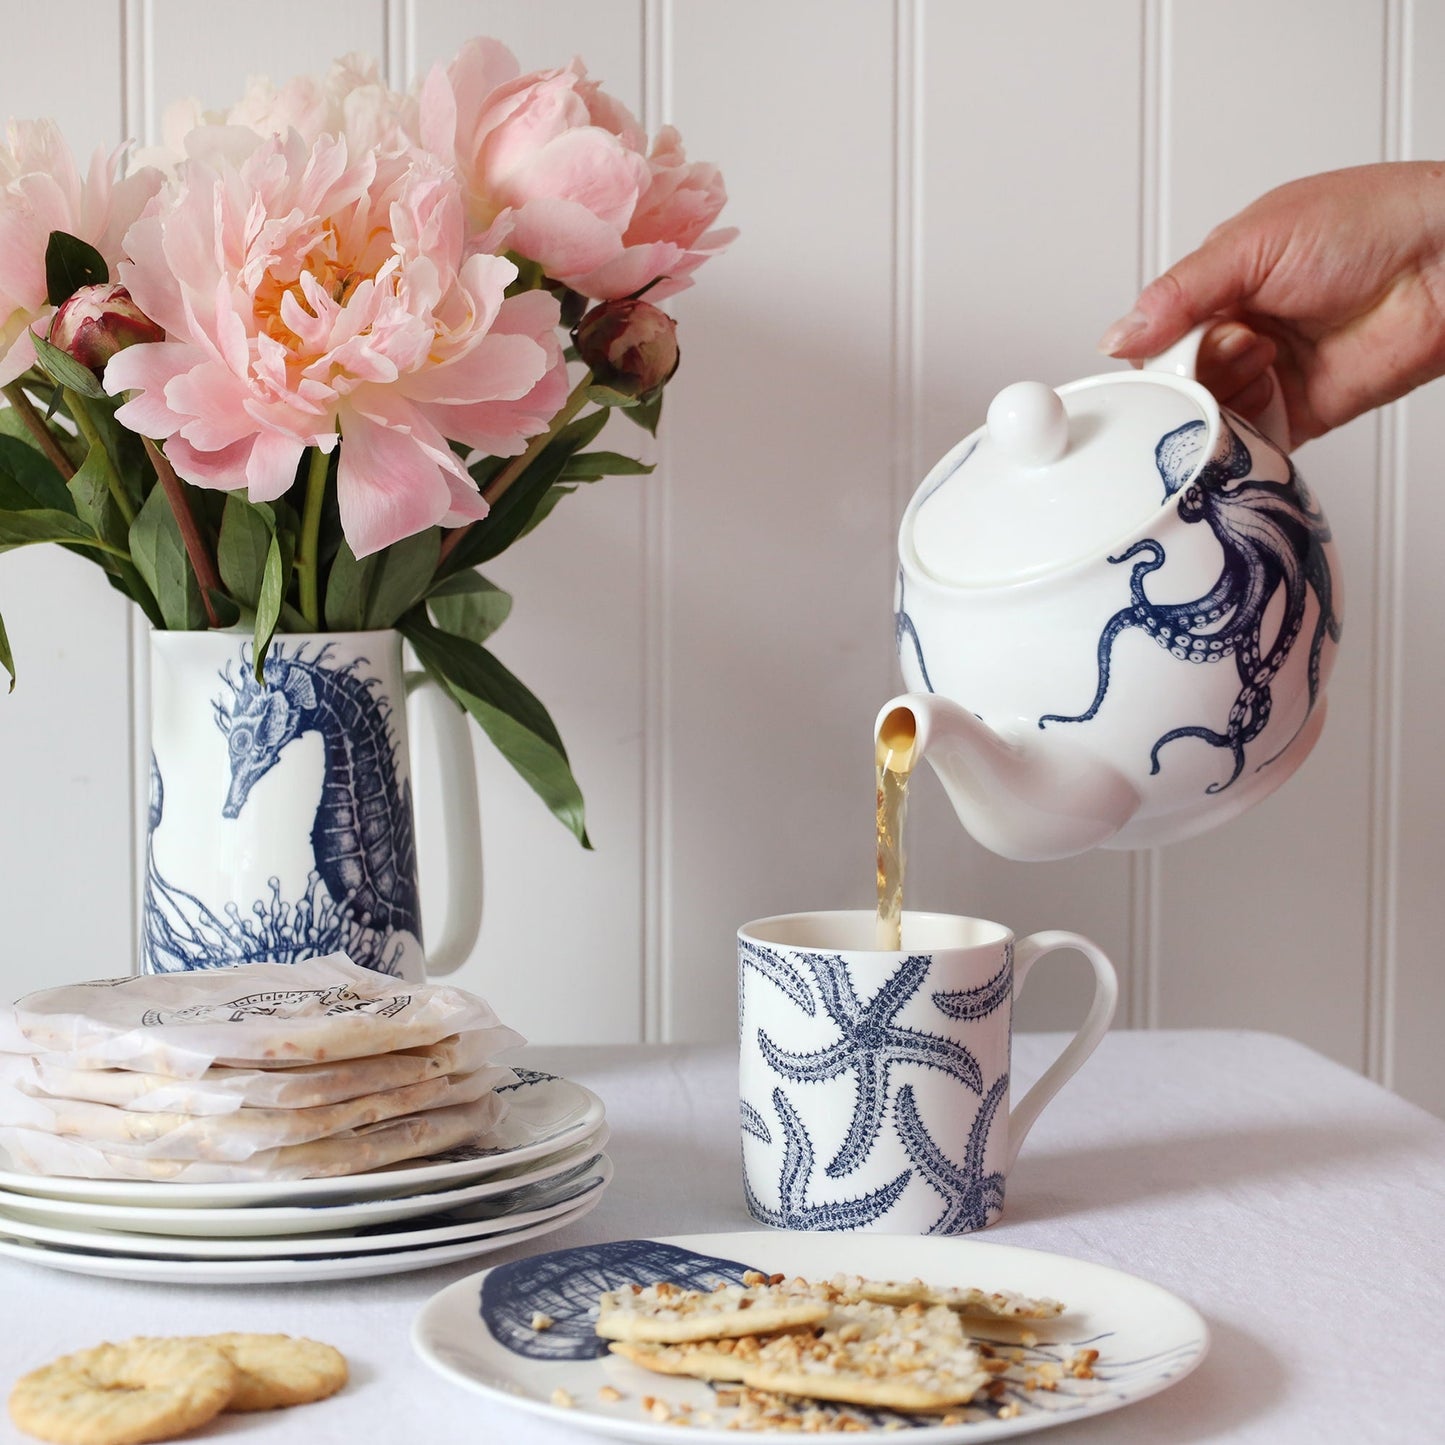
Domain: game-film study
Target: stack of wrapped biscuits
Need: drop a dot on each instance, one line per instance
(267, 1072)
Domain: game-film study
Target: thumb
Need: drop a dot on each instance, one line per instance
(1206, 282)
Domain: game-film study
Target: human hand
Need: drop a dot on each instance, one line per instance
(1336, 280)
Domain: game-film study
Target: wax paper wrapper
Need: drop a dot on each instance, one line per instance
(256, 1015)
(357, 1151)
(223, 1090)
(234, 1137)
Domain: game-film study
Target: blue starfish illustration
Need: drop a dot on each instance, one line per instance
(872, 1045)
(777, 968)
(978, 1003)
(794, 1211)
(754, 1123)
(970, 1196)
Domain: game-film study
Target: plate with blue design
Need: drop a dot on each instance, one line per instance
(545, 1114)
(479, 1332)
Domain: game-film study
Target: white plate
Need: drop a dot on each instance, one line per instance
(282, 1271)
(268, 1221)
(544, 1114)
(477, 1332)
(532, 1205)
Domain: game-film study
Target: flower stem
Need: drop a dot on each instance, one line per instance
(576, 400)
(202, 563)
(309, 544)
(88, 429)
(35, 425)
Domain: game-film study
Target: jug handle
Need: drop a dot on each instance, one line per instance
(1182, 359)
(461, 824)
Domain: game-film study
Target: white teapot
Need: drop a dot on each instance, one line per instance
(1117, 609)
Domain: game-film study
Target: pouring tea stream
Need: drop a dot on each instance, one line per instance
(1117, 609)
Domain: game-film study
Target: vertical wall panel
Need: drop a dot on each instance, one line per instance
(65, 826)
(1265, 922)
(561, 948)
(778, 461)
(1029, 164)
(210, 51)
(1416, 997)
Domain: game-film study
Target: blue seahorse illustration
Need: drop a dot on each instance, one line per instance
(1273, 537)
(362, 835)
(362, 894)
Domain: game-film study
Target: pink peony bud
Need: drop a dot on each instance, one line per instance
(630, 346)
(98, 321)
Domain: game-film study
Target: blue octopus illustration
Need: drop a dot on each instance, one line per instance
(794, 1211)
(871, 1045)
(363, 890)
(1273, 536)
(903, 628)
(971, 1198)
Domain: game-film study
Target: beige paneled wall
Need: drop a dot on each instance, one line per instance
(937, 197)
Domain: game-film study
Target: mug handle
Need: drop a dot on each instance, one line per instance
(1027, 952)
(461, 824)
(1182, 359)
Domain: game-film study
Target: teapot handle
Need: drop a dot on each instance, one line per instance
(1182, 359)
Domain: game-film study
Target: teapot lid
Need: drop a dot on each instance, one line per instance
(1055, 476)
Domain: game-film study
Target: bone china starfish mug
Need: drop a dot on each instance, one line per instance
(875, 1085)
(1117, 610)
(281, 824)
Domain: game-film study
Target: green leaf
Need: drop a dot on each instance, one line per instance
(548, 505)
(347, 589)
(71, 263)
(241, 552)
(28, 479)
(7, 658)
(274, 579)
(514, 508)
(508, 713)
(160, 558)
(25, 529)
(228, 611)
(646, 414)
(591, 466)
(402, 574)
(469, 606)
(93, 502)
(61, 367)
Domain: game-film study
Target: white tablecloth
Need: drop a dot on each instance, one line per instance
(1300, 1208)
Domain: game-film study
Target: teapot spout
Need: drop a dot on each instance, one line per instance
(1021, 798)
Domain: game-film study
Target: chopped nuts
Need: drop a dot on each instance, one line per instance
(542, 1322)
(562, 1398)
(609, 1394)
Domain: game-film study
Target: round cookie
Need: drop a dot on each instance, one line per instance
(143, 1389)
(278, 1370)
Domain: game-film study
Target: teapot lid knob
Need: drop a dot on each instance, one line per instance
(1028, 424)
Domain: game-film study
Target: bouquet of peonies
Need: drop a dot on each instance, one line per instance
(333, 349)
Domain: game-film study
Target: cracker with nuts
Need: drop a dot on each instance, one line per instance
(916, 1358)
(666, 1313)
(989, 1304)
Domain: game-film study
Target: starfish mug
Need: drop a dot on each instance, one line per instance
(281, 824)
(875, 1086)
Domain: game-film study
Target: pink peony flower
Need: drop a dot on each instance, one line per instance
(42, 191)
(350, 100)
(314, 296)
(98, 321)
(557, 171)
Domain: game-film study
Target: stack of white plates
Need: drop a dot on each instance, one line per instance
(543, 1168)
